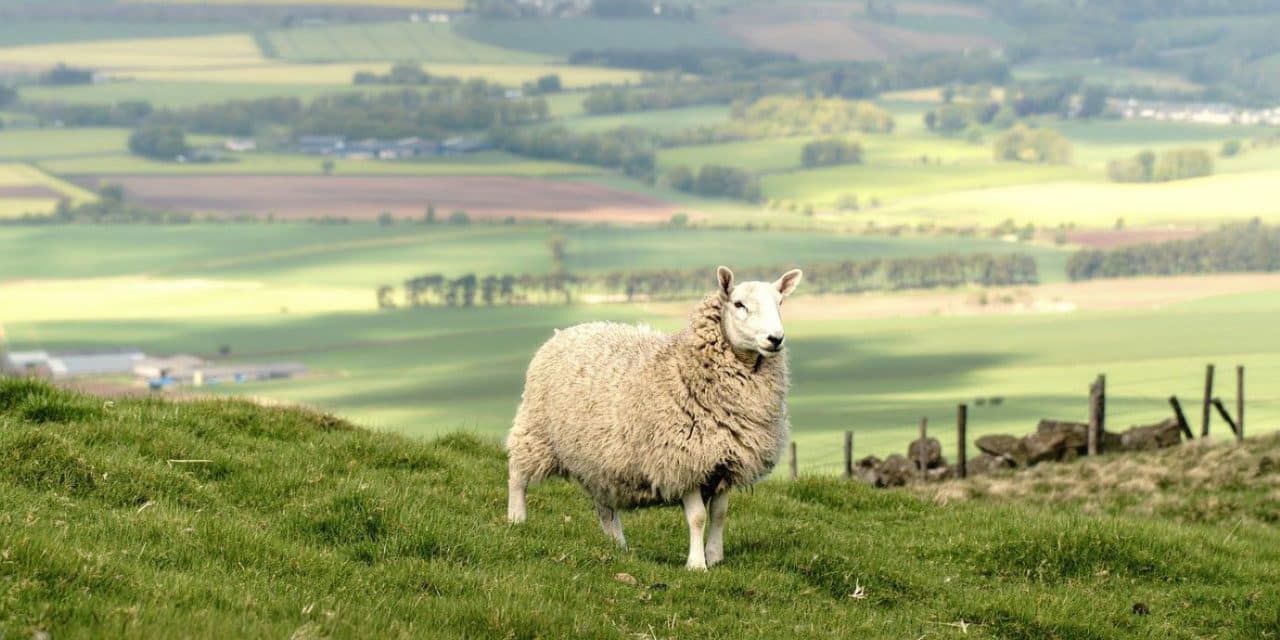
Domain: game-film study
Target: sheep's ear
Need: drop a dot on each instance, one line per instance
(726, 279)
(788, 282)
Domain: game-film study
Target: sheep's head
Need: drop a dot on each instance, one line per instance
(752, 316)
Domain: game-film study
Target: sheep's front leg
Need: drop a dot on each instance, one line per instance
(611, 522)
(715, 535)
(695, 511)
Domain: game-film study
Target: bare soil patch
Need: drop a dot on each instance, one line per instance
(1124, 238)
(28, 191)
(839, 31)
(366, 197)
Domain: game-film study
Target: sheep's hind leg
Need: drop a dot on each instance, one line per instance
(517, 482)
(715, 535)
(611, 522)
(695, 512)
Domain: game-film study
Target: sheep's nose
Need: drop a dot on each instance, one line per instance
(776, 341)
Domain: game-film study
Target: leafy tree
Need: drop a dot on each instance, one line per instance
(327, 166)
(385, 300)
(831, 151)
(1230, 148)
(385, 219)
(8, 95)
(1024, 144)
(459, 218)
(430, 216)
(549, 83)
(160, 142)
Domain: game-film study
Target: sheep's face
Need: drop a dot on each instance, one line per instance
(752, 315)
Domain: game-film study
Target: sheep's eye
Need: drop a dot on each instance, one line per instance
(740, 305)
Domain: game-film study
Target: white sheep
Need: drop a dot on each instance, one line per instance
(640, 418)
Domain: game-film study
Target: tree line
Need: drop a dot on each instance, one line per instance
(1235, 248)
(629, 150)
(561, 287)
(1034, 145)
(1175, 164)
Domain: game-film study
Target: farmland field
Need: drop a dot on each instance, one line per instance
(425, 42)
(1202, 201)
(481, 163)
(29, 32)
(199, 52)
(565, 36)
(833, 31)
(571, 77)
(26, 189)
(188, 93)
(460, 369)
(366, 197)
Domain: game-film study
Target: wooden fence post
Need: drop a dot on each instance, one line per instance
(1208, 400)
(923, 452)
(795, 469)
(1240, 402)
(1102, 406)
(1092, 435)
(962, 424)
(1182, 418)
(848, 455)
(1226, 417)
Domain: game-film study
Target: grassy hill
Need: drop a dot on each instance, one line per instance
(141, 518)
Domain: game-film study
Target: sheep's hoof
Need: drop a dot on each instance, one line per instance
(696, 567)
(714, 558)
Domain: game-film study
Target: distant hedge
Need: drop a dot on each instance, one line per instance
(1237, 248)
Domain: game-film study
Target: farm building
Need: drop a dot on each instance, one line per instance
(173, 366)
(72, 365)
(368, 149)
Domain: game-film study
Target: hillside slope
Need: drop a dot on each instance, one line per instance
(144, 518)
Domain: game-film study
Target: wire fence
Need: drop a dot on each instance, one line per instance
(1126, 402)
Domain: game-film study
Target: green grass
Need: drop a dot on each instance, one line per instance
(300, 525)
(565, 36)
(26, 176)
(898, 182)
(24, 32)
(390, 41)
(177, 94)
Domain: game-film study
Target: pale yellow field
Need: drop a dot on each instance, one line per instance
(202, 52)
(1210, 200)
(23, 175)
(141, 297)
(279, 73)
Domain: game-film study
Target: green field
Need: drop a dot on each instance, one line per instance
(177, 94)
(197, 52)
(565, 36)
(390, 41)
(27, 32)
(571, 77)
(487, 163)
(289, 523)
(433, 370)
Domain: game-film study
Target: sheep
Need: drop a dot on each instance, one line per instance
(641, 418)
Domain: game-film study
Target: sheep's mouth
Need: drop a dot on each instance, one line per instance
(769, 351)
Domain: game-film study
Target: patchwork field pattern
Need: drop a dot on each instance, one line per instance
(366, 197)
(425, 42)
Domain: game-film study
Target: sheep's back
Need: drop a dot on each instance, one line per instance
(572, 390)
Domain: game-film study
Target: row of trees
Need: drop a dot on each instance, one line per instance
(1175, 164)
(831, 151)
(626, 149)
(670, 95)
(448, 106)
(715, 181)
(1025, 144)
(1242, 247)
(774, 116)
(560, 287)
(159, 142)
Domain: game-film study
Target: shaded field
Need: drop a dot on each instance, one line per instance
(423, 41)
(564, 36)
(298, 524)
(180, 93)
(571, 77)
(365, 197)
(458, 368)
(29, 32)
(214, 51)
